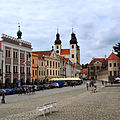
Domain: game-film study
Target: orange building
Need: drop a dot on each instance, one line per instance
(34, 68)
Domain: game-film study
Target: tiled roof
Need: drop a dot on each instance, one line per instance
(84, 70)
(65, 51)
(41, 53)
(97, 59)
(113, 57)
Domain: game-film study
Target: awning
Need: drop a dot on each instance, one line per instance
(63, 79)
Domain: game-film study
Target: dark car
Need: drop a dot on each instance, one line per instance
(40, 87)
(16, 90)
(9, 91)
(47, 86)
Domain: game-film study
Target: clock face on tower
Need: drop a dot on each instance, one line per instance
(57, 51)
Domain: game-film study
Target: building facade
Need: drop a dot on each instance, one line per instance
(17, 64)
(48, 65)
(104, 69)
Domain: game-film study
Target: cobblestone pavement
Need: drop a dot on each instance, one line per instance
(74, 103)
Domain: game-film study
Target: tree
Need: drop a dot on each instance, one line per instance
(117, 49)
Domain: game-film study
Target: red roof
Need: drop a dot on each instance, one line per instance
(65, 51)
(97, 59)
(113, 57)
(41, 53)
(84, 70)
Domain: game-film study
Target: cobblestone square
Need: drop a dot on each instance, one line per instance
(73, 103)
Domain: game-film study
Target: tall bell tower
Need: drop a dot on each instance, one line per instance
(74, 49)
(58, 44)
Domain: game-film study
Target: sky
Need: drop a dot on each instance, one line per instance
(96, 24)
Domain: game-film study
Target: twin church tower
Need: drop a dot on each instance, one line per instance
(73, 53)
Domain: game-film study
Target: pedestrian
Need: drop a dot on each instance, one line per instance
(3, 97)
(24, 90)
(87, 86)
(33, 88)
(20, 92)
(95, 87)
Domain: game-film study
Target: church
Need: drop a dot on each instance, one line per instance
(73, 53)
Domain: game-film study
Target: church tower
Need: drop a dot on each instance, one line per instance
(58, 44)
(74, 49)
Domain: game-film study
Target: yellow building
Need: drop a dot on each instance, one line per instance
(48, 64)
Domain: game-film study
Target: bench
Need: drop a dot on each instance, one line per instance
(45, 107)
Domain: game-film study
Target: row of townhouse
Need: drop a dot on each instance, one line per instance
(19, 65)
(104, 69)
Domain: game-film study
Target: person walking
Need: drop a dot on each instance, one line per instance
(3, 97)
(87, 85)
(20, 92)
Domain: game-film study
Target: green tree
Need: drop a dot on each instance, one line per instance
(117, 49)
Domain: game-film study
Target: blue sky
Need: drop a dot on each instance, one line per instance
(95, 22)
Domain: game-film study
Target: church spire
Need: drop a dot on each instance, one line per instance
(19, 33)
(57, 41)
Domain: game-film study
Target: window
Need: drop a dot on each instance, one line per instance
(115, 73)
(33, 72)
(47, 72)
(7, 68)
(39, 72)
(57, 47)
(50, 63)
(7, 53)
(47, 63)
(115, 64)
(28, 70)
(53, 63)
(50, 72)
(98, 67)
(27, 57)
(56, 64)
(110, 64)
(15, 69)
(21, 55)
(41, 63)
(56, 72)
(110, 73)
(15, 54)
(33, 61)
(72, 55)
(53, 72)
(72, 46)
(22, 70)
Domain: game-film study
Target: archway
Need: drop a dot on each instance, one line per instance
(22, 82)
(15, 82)
(7, 83)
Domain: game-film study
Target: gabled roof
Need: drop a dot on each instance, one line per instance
(84, 70)
(102, 60)
(41, 53)
(65, 51)
(113, 57)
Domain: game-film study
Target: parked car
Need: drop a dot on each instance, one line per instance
(9, 91)
(16, 90)
(65, 84)
(54, 85)
(47, 86)
(117, 80)
(40, 87)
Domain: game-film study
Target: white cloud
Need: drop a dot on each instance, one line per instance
(96, 23)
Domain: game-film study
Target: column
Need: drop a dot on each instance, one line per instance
(25, 68)
(11, 65)
(31, 67)
(19, 64)
(4, 65)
